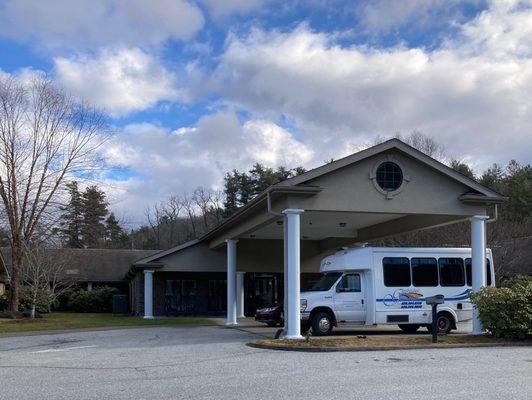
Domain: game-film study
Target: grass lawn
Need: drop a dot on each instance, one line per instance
(386, 341)
(63, 320)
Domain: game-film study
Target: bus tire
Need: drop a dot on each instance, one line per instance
(409, 328)
(445, 323)
(322, 324)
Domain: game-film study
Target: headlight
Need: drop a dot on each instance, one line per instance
(302, 305)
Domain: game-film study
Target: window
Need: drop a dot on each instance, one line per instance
(451, 272)
(325, 282)
(389, 176)
(424, 271)
(468, 272)
(349, 283)
(396, 271)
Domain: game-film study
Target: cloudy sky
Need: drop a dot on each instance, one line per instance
(196, 88)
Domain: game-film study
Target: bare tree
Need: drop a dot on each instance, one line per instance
(202, 198)
(154, 217)
(420, 141)
(217, 204)
(44, 271)
(172, 210)
(188, 206)
(46, 136)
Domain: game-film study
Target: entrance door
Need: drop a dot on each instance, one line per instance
(349, 299)
(180, 297)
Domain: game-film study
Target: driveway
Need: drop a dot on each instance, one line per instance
(214, 363)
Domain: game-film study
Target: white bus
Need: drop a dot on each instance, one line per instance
(386, 285)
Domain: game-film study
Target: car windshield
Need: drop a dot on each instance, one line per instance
(325, 282)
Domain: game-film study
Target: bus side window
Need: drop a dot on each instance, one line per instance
(451, 271)
(468, 272)
(396, 271)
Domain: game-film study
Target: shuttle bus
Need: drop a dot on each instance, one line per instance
(386, 285)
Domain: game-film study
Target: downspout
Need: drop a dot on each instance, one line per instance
(495, 216)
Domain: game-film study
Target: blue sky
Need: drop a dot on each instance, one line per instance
(196, 88)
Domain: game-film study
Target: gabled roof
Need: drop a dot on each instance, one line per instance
(385, 146)
(163, 253)
(90, 265)
(299, 185)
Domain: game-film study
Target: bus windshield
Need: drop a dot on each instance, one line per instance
(325, 282)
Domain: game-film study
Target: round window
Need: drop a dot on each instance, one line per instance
(389, 176)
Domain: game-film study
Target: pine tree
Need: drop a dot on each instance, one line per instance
(94, 212)
(114, 234)
(72, 218)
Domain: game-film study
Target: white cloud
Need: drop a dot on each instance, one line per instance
(383, 16)
(95, 23)
(119, 81)
(169, 162)
(473, 94)
(222, 9)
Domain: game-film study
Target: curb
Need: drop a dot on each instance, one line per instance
(385, 348)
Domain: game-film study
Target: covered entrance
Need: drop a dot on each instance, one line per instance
(388, 189)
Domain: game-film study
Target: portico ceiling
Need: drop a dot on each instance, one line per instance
(322, 225)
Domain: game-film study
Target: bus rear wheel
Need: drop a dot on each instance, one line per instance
(409, 328)
(444, 323)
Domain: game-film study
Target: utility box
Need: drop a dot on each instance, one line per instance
(120, 304)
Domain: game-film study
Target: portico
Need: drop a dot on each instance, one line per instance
(382, 191)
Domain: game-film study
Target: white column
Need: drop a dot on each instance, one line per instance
(231, 282)
(148, 294)
(240, 294)
(285, 274)
(89, 286)
(293, 327)
(478, 263)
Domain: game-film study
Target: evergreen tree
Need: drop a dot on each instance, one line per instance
(72, 218)
(115, 235)
(463, 168)
(94, 212)
(241, 187)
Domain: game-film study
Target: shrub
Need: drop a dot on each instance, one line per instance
(97, 300)
(43, 304)
(507, 311)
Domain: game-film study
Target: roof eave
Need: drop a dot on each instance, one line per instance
(481, 199)
(272, 190)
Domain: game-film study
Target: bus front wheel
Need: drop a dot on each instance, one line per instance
(322, 324)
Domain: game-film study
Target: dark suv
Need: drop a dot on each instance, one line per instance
(271, 315)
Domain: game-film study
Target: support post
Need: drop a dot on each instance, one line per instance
(478, 263)
(231, 282)
(89, 286)
(285, 275)
(240, 294)
(148, 294)
(293, 320)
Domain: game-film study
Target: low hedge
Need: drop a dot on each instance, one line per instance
(97, 300)
(506, 312)
(44, 302)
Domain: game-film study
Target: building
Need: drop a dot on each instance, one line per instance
(387, 189)
(87, 267)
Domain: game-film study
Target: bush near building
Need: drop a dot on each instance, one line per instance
(507, 311)
(97, 300)
(44, 302)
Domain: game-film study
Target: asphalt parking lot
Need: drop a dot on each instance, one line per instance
(213, 362)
